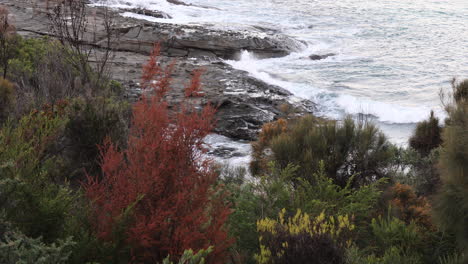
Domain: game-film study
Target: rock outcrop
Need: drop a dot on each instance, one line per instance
(321, 57)
(244, 103)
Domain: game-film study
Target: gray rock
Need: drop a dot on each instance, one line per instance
(140, 36)
(244, 103)
(177, 2)
(321, 57)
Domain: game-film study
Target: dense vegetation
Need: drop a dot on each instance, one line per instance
(87, 177)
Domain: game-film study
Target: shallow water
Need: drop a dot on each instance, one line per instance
(392, 57)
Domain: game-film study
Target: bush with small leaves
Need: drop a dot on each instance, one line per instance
(426, 136)
(15, 247)
(90, 122)
(409, 207)
(300, 238)
(326, 196)
(160, 192)
(420, 172)
(347, 148)
(190, 258)
(451, 203)
(259, 162)
(392, 242)
(31, 198)
(7, 99)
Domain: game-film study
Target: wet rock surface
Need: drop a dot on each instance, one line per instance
(321, 57)
(244, 103)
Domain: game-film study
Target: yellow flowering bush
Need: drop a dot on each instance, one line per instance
(293, 239)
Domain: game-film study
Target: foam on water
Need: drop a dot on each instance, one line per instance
(334, 105)
(224, 150)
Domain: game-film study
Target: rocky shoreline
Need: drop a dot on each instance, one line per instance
(244, 103)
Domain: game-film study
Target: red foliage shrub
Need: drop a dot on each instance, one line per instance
(194, 87)
(154, 76)
(161, 187)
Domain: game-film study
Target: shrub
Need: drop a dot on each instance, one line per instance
(451, 259)
(90, 122)
(29, 53)
(420, 172)
(7, 40)
(7, 99)
(190, 258)
(30, 196)
(252, 201)
(396, 242)
(347, 149)
(300, 239)
(326, 196)
(452, 201)
(15, 247)
(259, 162)
(242, 221)
(391, 232)
(155, 78)
(391, 256)
(159, 193)
(426, 136)
(409, 207)
(193, 88)
(461, 92)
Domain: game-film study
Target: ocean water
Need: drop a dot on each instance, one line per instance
(392, 57)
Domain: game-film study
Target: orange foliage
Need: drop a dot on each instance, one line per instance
(162, 180)
(410, 207)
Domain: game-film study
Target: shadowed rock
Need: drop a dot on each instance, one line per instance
(321, 57)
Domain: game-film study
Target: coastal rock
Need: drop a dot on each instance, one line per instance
(177, 2)
(321, 57)
(244, 103)
(183, 40)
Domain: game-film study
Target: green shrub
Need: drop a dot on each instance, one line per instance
(461, 92)
(90, 122)
(451, 204)
(252, 201)
(420, 172)
(28, 55)
(190, 258)
(326, 196)
(241, 223)
(7, 99)
(392, 232)
(393, 241)
(45, 69)
(426, 136)
(392, 255)
(347, 148)
(451, 259)
(15, 247)
(30, 197)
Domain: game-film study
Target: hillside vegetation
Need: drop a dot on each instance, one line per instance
(88, 177)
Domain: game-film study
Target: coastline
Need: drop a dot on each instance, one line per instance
(244, 102)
